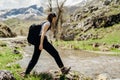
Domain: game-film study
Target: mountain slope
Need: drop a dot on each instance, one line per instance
(22, 13)
(95, 14)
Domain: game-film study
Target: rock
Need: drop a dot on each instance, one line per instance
(21, 43)
(6, 75)
(91, 16)
(72, 75)
(103, 76)
(3, 45)
(104, 48)
(15, 51)
(107, 2)
(116, 79)
(46, 75)
(78, 17)
(116, 46)
(92, 8)
(67, 37)
(96, 45)
(117, 1)
(5, 31)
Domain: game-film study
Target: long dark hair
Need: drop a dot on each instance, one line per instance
(50, 17)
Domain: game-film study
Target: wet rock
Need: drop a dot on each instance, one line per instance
(6, 75)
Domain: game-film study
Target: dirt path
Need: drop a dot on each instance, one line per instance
(85, 62)
(88, 63)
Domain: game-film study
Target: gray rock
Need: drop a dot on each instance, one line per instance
(6, 75)
(96, 45)
(15, 51)
(5, 31)
(103, 76)
(116, 46)
(107, 2)
(72, 75)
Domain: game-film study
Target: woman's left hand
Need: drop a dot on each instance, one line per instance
(40, 47)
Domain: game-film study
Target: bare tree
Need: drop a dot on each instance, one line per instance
(50, 5)
(59, 21)
(60, 17)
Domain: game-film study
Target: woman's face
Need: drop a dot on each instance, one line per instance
(54, 20)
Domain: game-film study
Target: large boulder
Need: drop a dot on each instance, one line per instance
(6, 75)
(5, 31)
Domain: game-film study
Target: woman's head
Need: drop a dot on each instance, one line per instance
(52, 17)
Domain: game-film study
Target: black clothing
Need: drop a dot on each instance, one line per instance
(50, 49)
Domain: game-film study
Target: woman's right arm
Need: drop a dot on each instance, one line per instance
(43, 32)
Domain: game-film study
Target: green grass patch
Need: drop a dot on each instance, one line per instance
(8, 62)
(109, 36)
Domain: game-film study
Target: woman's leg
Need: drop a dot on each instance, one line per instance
(53, 52)
(34, 59)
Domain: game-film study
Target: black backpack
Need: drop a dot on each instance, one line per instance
(33, 34)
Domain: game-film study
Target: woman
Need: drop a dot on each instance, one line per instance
(43, 43)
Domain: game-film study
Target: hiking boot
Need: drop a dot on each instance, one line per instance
(65, 70)
(23, 74)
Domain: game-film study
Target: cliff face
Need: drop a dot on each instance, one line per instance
(5, 31)
(95, 14)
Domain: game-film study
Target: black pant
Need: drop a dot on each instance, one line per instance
(50, 49)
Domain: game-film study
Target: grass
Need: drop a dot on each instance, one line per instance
(19, 26)
(7, 62)
(110, 36)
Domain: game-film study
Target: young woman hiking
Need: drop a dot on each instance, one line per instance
(43, 43)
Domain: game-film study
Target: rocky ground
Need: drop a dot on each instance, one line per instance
(95, 14)
(83, 64)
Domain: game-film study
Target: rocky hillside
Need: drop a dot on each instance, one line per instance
(5, 31)
(94, 15)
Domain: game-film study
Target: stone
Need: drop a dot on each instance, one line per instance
(96, 44)
(6, 75)
(72, 75)
(116, 46)
(15, 51)
(5, 31)
(3, 45)
(103, 76)
(104, 48)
